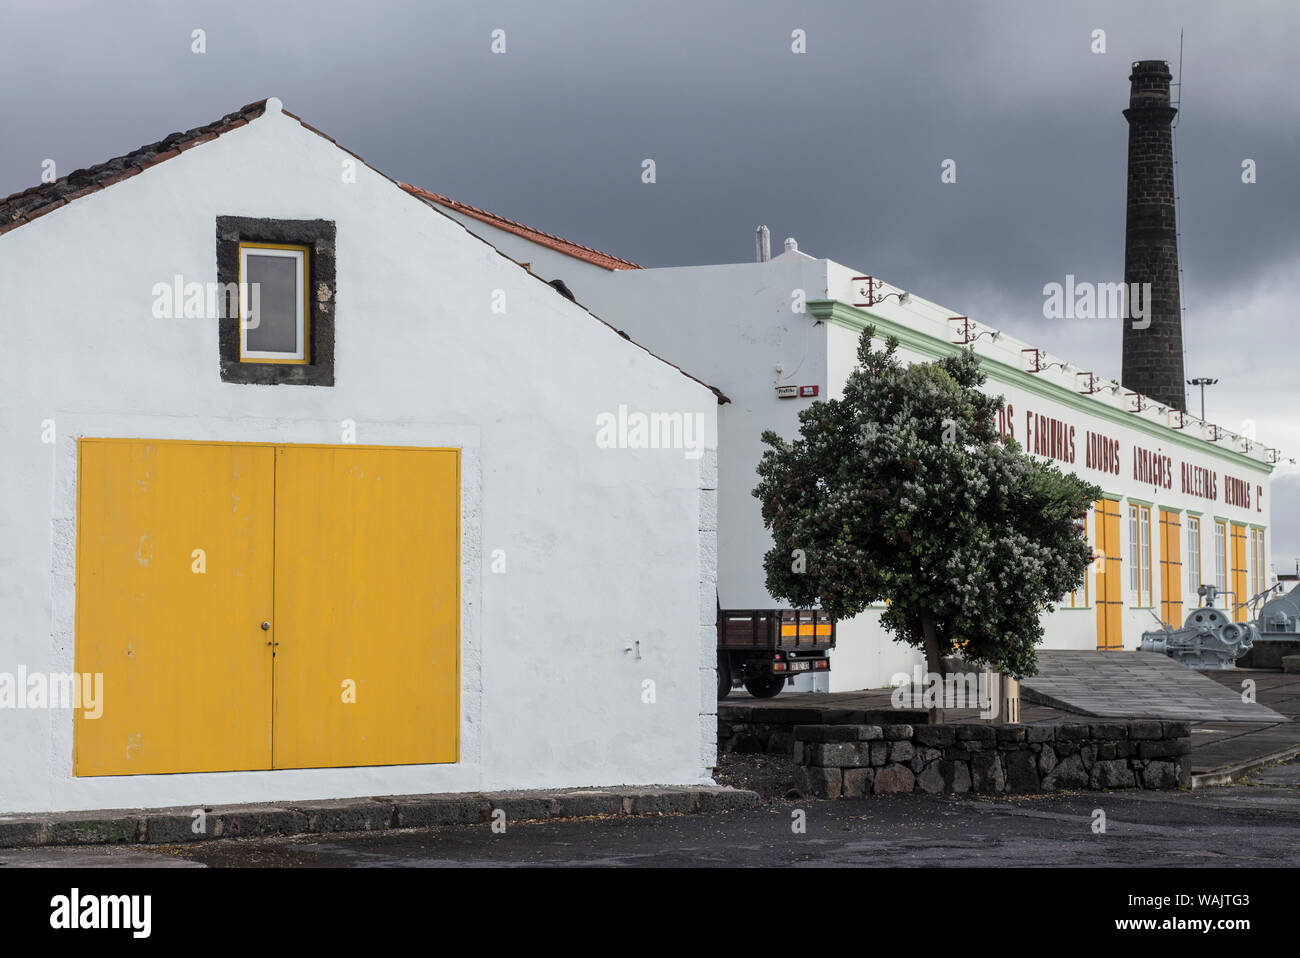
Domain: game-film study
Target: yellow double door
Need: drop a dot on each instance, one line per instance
(257, 606)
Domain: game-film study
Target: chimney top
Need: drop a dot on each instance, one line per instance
(1149, 84)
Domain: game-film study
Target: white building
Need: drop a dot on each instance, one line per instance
(371, 543)
(1187, 502)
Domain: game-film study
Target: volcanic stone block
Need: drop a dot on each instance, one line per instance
(1112, 774)
(870, 733)
(1169, 748)
(934, 735)
(1041, 733)
(825, 733)
(897, 733)
(820, 782)
(1046, 759)
(1088, 755)
(1109, 730)
(986, 772)
(837, 754)
(1073, 733)
(1007, 734)
(901, 752)
(931, 778)
(893, 780)
(1176, 729)
(1021, 772)
(858, 782)
(1160, 775)
(1145, 730)
(1068, 774)
(976, 733)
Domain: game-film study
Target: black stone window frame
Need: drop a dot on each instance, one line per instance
(317, 236)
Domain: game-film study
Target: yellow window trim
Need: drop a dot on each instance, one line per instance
(306, 305)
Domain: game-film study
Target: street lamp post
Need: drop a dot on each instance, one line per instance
(1202, 381)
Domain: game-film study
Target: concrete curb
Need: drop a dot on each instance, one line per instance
(1232, 773)
(175, 825)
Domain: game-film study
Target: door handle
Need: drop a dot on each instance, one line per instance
(266, 626)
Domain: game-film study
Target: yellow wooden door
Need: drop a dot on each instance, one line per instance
(1171, 568)
(1239, 587)
(367, 610)
(174, 580)
(1109, 583)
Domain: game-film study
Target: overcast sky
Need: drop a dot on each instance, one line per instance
(840, 146)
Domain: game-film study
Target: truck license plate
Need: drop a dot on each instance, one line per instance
(800, 666)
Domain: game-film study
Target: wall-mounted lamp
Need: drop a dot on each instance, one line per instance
(870, 288)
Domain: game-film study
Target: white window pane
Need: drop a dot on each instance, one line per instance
(277, 299)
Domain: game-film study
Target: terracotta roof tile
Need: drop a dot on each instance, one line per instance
(549, 240)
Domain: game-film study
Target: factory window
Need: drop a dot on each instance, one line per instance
(1144, 530)
(1221, 557)
(1255, 562)
(273, 324)
(1193, 554)
(1134, 577)
(1259, 563)
(1139, 545)
(1250, 567)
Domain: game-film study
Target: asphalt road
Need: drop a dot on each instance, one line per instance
(1228, 826)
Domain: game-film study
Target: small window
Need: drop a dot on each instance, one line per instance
(1193, 554)
(273, 325)
(1139, 539)
(1221, 558)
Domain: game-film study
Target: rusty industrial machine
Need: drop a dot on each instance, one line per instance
(1207, 640)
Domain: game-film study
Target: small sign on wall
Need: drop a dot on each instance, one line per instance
(796, 392)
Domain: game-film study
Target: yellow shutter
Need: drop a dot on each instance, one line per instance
(1109, 581)
(1239, 572)
(367, 577)
(1171, 568)
(186, 669)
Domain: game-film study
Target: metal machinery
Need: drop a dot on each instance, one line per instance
(1207, 640)
(1281, 615)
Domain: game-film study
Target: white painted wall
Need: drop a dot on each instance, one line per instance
(604, 547)
(732, 324)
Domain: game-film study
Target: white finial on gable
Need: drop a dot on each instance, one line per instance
(273, 104)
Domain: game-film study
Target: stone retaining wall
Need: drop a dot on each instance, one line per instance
(759, 728)
(855, 760)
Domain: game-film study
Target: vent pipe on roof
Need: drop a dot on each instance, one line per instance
(763, 241)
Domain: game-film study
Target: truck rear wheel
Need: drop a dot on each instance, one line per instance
(763, 688)
(724, 675)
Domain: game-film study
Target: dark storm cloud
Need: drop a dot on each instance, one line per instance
(840, 147)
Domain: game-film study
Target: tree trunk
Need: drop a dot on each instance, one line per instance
(933, 661)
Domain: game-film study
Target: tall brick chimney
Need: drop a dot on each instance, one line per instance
(1153, 357)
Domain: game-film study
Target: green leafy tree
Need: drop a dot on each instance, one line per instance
(903, 491)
